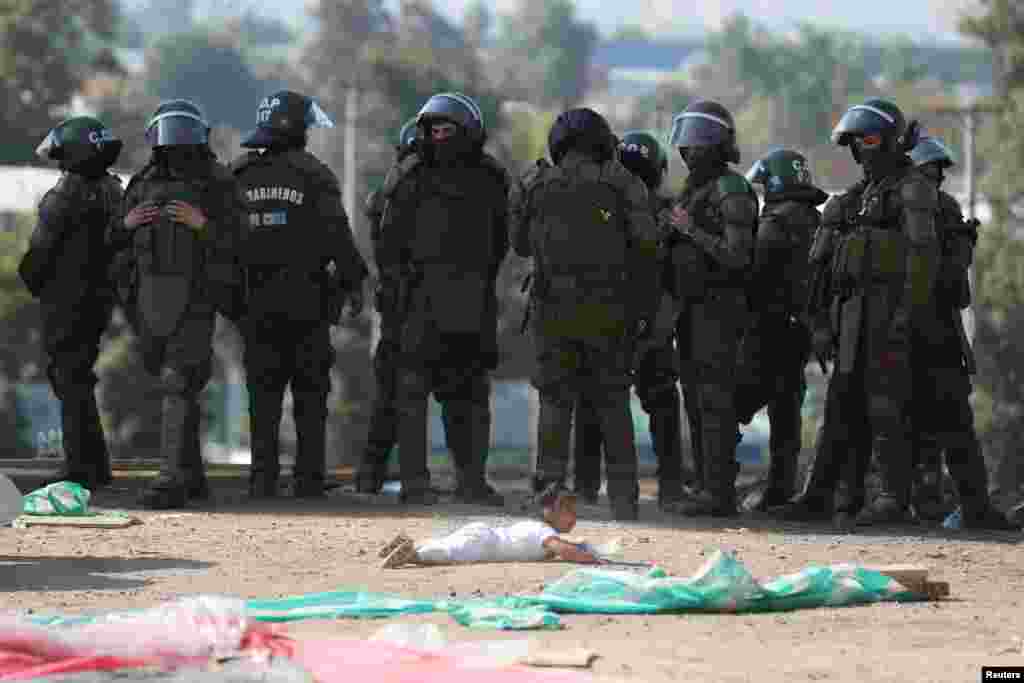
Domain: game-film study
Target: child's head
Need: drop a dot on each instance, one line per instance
(559, 506)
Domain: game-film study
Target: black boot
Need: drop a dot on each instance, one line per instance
(967, 466)
(620, 449)
(170, 489)
(718, 443)
(470, 429)
(929, 502)
(667, 439)
(693, 483)
(892, 504)
(587, 451)
(86, 461)
(310, 415)
(196, 482)
(412, 442)
(265, 410)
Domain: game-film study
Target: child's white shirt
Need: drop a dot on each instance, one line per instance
(479, 542)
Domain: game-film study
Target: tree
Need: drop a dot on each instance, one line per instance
(44, 56)
(544, 38)
(477, 23)
(1000, 257)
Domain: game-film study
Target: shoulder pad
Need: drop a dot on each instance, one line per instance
(498, 169)
(54, 201)
(833, 209)
(632, 188)
(732, 183)
(239, 164)
(307, 163)
(739, 209)
(397, 172)
(535, 174)
(374, 204)
(949, 205)
(918, 192)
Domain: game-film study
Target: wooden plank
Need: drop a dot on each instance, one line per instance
(84, 522)
(910, 575)
(579, 658)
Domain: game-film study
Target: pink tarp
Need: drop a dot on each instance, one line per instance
(30, 652)
(334, 661)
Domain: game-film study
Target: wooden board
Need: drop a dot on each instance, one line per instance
(84, 522)
(575, 658)
(915, 578)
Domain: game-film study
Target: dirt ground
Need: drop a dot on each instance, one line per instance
(289, 547)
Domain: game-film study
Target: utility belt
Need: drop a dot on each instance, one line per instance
(867, 256)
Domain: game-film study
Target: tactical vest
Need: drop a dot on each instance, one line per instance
(170, 257)
(580, 239)
(288, 242)
(874, 253)
(450, 247)
(780, 287)
(694, 270)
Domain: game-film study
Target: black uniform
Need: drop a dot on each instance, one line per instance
(301, 261)
(66, 268)
(443, 237)
(183, 276)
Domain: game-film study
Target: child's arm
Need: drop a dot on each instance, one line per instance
(570, 552)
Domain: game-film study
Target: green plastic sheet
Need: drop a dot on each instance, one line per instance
(723, 584)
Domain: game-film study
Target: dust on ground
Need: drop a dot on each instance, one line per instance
(291, 547)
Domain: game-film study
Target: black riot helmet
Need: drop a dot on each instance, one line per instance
(81, 142)
(584, 130)
(456, 108)
(929, 150)
(706, 124)
(874, 130)
(177, 122)
(283, 119)
(643, 155)
(780, 171)
(407, 135)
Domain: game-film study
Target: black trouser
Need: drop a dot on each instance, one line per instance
(276, 355)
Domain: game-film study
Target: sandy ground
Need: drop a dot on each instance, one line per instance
(290, 547)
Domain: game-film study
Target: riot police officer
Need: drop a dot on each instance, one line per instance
(715, 219)
(302, 265)
(885, 270)
(656, 370)
(66, 267)
(776, 345)
(942, 363)
(383, 432)
(183, 227)
(587, 223)
(443, 236)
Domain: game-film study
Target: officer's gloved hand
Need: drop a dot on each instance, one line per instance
(355, 302)
(823, 344)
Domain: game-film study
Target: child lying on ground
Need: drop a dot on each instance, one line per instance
(529, 541)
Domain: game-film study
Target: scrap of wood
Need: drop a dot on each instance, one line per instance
(915, 578)
(577, 658)
(83, 522)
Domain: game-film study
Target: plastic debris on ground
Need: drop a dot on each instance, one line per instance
(59, 498)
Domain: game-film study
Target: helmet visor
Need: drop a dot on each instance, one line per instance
(317, 117)
(931, 150)
(452, 107)
(177, 128)
(757, 173)
(46, 147)
(860, 121)
(697, 129)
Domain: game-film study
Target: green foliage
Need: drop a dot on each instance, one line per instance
(47, 48)
(13, 244)
(548, 35)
